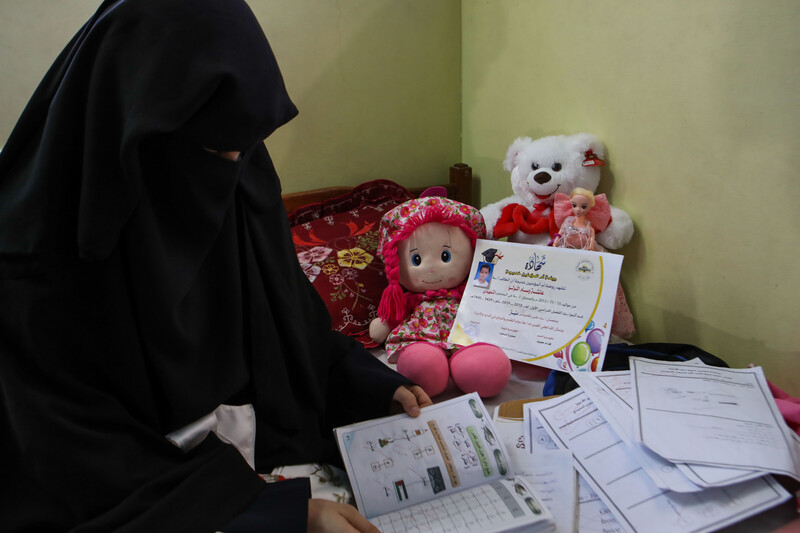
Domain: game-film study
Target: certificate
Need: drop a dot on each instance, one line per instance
(546, 306)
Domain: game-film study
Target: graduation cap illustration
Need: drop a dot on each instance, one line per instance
(491, 255)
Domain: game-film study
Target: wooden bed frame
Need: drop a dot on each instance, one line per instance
(458, 188)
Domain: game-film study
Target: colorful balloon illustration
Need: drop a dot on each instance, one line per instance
(594, 364)
(595, 339)
(581, 352)
(590, 326)
(562, 363)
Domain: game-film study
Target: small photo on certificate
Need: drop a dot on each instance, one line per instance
(483, 275)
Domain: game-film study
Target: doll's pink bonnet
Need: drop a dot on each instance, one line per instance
(399, 223)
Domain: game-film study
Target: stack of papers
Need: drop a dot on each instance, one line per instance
(673, 447)
(575, 506)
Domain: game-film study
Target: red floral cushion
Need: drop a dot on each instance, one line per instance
(337, 242)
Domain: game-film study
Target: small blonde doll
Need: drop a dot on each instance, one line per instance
(576, 230)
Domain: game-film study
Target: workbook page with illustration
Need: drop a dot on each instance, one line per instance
(448, 465)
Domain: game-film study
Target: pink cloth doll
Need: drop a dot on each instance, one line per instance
(427, 246)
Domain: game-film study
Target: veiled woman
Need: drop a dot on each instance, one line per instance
(141, 231)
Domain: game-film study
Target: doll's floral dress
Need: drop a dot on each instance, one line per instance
(430, 321)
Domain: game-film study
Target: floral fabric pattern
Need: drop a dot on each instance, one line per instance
(354, 257)
(398, 218)
(430, 321)
(314, 255)
(336, 244)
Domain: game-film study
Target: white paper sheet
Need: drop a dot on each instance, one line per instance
(512, 432)
(546, 306)
(618, 385)
(555, 480)
(663, 473)
(593, 516)
(710, 415)
(502, 506)
(611, 393)
(398, 461)
(549, 471)
(575, 423)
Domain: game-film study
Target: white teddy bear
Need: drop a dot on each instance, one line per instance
(540, 169)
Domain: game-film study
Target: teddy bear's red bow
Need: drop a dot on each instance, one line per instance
(517, 217)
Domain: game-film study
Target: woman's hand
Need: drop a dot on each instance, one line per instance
(325, 516)
(411, 398)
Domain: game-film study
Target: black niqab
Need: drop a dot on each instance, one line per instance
(145, 280)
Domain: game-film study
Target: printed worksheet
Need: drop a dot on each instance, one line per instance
(611, 392)
(663, 473)
(446, 470)
(555, 480)
(548, 470)
(575, 423)
(396, 461)
(501, 506)
(546, 306)
(711, 415)
(593, 516)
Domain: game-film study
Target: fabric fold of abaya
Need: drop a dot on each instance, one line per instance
(145, 280)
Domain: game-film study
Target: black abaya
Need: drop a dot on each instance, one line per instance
(145, 280)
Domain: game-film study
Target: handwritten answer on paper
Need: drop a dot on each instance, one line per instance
(710, 415)
(612, 392)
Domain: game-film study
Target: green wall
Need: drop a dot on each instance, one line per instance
(378, 85)
(32, 33)
(699, 106)
(377, 82)
(697, 102)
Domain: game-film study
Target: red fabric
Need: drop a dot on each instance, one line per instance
(599, 215)
(336, 243)
(368, 193)
(416, 298)
(592, 160)
(517, 217)
(789, 406)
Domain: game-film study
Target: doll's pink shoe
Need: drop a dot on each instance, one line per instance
(482, 368)
(426, 365)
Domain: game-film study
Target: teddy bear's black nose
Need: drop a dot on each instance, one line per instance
(541, 178)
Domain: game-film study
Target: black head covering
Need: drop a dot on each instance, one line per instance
(145, 280)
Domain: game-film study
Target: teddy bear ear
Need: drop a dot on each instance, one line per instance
(512, 156)
(591, 148)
